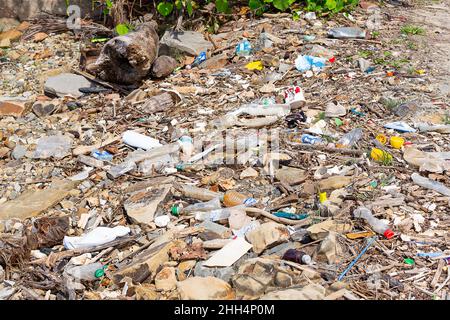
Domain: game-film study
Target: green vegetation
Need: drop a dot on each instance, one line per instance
(412, 30)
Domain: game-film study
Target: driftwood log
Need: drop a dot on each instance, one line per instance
(128, 59)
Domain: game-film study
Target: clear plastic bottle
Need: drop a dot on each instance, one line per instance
(214, 215)
(198, 207)
(349, 139)
(86, 272)
(377, 225)
(138, 140)
(254, 109)
(347, 32)
(233, 198)
(198, 193)
(430, 184)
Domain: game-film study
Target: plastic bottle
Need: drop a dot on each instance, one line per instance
(214, 215)
(310, 139)
(187, 146)
(233, 198)
(198, 193)
(377, 225)
(297, 256)
(430, 184)
(346, 32)
(198, 207)
(349, 139)
(96, 237)
(86, 272)
(244, 48)
(254, 109)
(141, 141)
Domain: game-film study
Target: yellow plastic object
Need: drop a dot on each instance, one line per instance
(380, 155)
(323, 197)
(255, 65)
(382, 138)
(359, 235)
(397, 142)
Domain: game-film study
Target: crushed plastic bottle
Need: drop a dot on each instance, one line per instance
(377, 225)
(198, 193)
(244, 48)
(399, 126)
(430, 184)
(350, 138)
(233, 198)
(305, 63)
(198, 207)
(347, 33)
(86, 272)
(102, 155)
(310, 139)
(279, 110)
(216, 215)
(141, 141)
(96, 237)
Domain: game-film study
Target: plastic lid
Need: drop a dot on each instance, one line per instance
(175, 210)
(389, 234)
(99, 273)
(306, 259)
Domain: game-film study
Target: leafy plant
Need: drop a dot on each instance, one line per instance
(122, 29)
(412, 30)
(333, 6)
(165, 8)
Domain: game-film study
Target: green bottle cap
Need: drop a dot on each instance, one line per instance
(99, 273)
(175, 211)
(409, 261)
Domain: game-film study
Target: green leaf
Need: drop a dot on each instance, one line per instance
(122, 29)
(281, 5)
(179, 4)
(222, 6)
(165, 8)
(268, 1)
(109, 4)
(189, 7)
(330, 4)
(257, 6)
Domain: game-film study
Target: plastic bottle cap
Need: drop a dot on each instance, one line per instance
(175, 210)
(306, 259)
(397, 142)
(99, 273)
(389, 234)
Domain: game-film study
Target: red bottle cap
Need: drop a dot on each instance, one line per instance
(389, 234)
(332, 60)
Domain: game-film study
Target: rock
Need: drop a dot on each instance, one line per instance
(267, 235)
(309, 292)
(44, 108)
(141, 206)
(291, 176)
(283, 280)
(225, 273)
(5, 44)
(253, 277)
(31, 203)
(330, 248)
(7, 24)
(208, 288)
(185, 268)
(66, 84)
(238, 219)
(320, 230)
(216, 62)
(12, 108)
(166, 279)
(190, 42)
(19, 152)
(40, 36)
(367, 5)
(11, 35)
(146, 292)
(248, 173)
(57, 146)
(163, 66)
(4, 152)
(335, 182)
(363, 64)
(2, 274)
(162, 221)
(335, 110)
(90, 161)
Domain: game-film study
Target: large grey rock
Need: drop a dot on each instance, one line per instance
(66, 84)
(189, 42)
(222, 273)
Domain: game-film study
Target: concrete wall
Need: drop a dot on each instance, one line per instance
(26, 9)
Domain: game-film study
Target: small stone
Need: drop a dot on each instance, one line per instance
(283, 280)
(18, 152)
(267, 235)
(40, 36)
(335, 110)
(44, 108)
(166, 279)
(5, 43)
(208, 288)
(66, 84)
(225, 273)
(2, 274)
(90, 161)
(184, 268)
(248, 173)
(4, 152)
(12, 108)
(309, 292)
(163, 66)
(335, 182)
(291, 176)
(190, 42)
(146, 292)
(11, 35)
